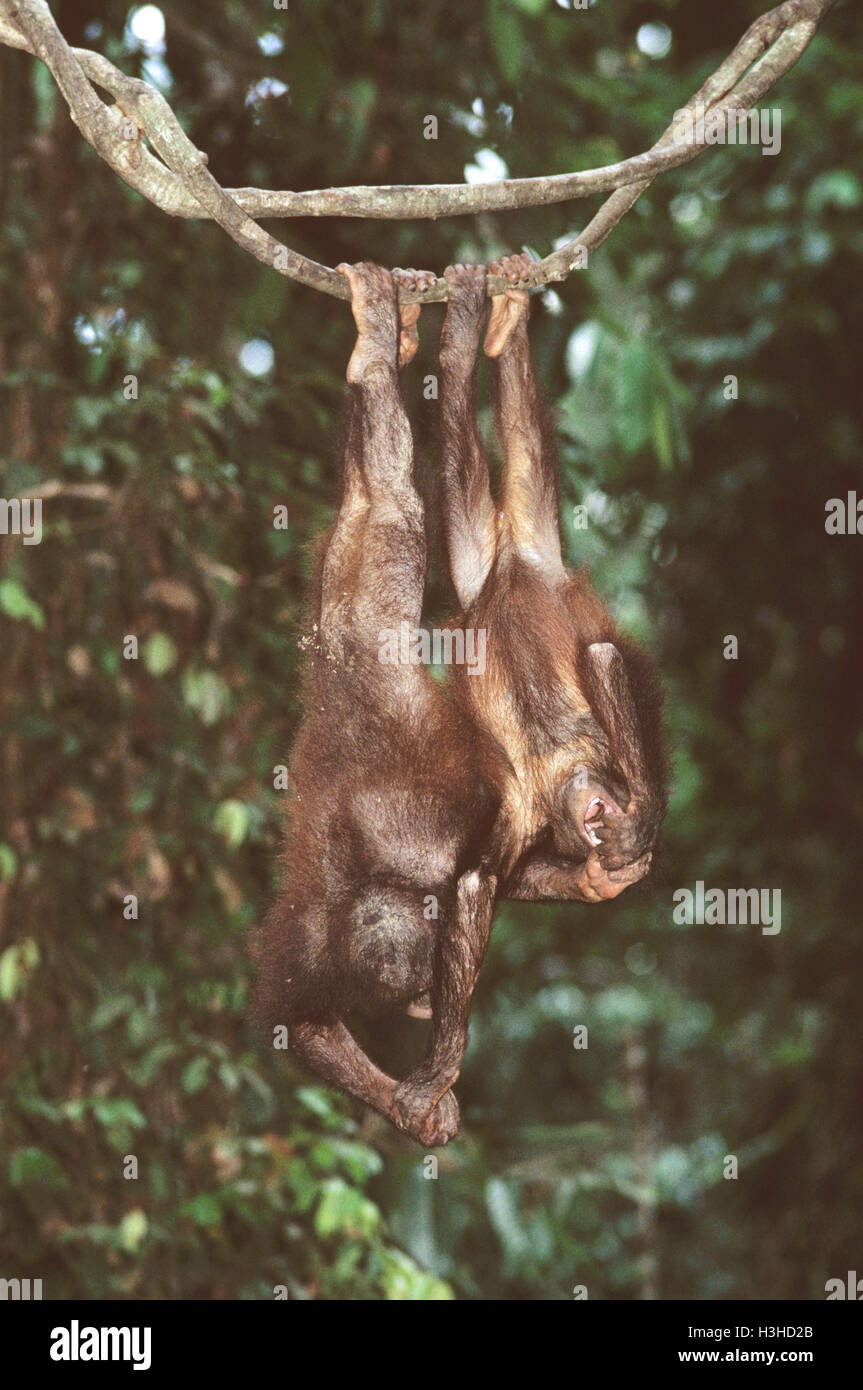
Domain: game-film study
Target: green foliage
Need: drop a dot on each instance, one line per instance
(17, 604)
(16, 964)
(153, 1144)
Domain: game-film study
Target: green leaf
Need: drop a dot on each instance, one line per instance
(35, 1165)
(109, 1010)
(109, 662)
(45, 94)
(8, 863)
(404, 1281)
(228, 1075)
(319, 1102)
(90, 411)
(232, 821)
(661, 434)
(361, 96)
(133, 1229)
(142, 800)
(84, 456)
(505, 1218)
(303, 1184)
(145, 1071)
(360, 1161)
(342, 1209)
(16, 603)
(159, 653)
(504, 32)
(17, 963)
(633, 397)
(204, 1209)
(195, 1073)
(118, 1112)
(322, 1156)
(838, 188)
(207, 694)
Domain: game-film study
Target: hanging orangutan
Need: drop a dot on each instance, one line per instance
(383, 902)
(573, 704)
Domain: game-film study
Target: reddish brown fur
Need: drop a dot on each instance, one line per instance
(398, 793)
(389, 811)
(562, 690)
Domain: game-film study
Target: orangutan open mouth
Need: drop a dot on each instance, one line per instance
(596, 811)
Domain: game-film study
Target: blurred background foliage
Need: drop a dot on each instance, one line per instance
(601, 1167)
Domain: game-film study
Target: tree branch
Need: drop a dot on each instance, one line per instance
(173, 175)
